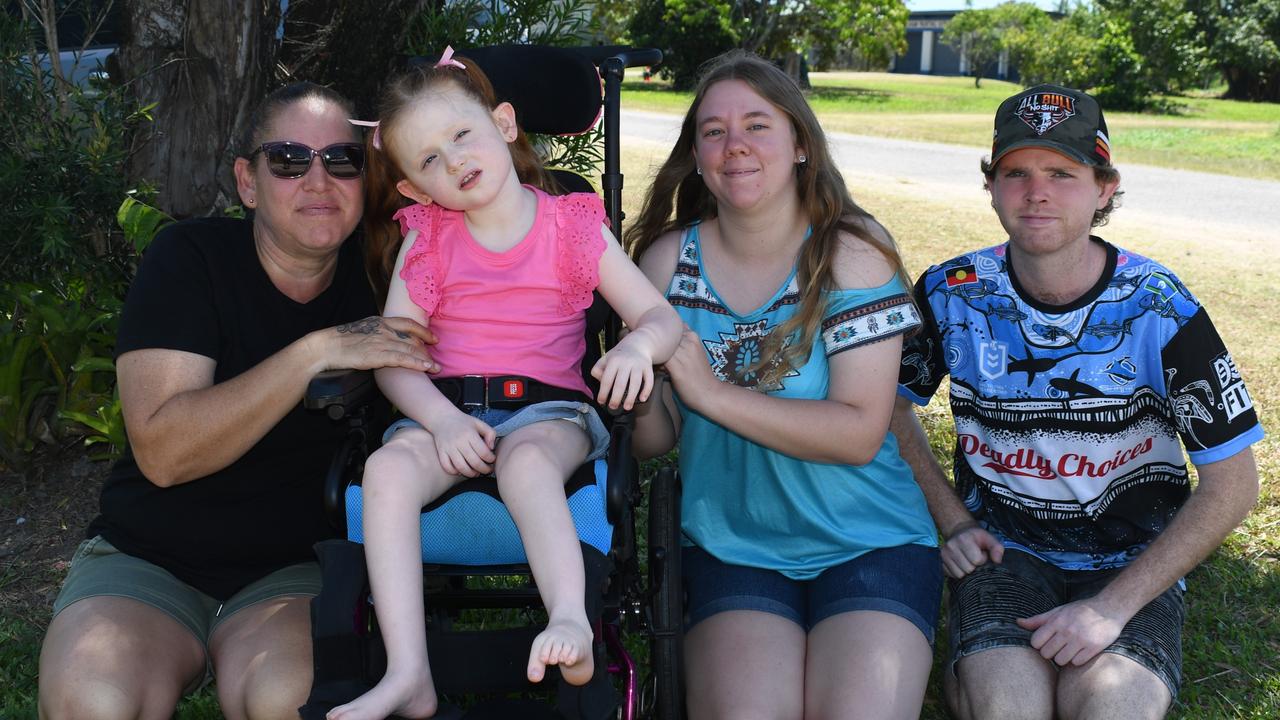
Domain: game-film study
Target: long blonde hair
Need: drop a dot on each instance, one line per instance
(382, 199)
(823, 196)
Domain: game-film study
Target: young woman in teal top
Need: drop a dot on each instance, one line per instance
(811, 571)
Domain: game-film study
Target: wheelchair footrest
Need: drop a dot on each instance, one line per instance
(483, 660)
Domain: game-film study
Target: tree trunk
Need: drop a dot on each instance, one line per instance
(1258, 87)
(205, 64)
(352, 46)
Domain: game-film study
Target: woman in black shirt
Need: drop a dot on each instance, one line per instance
(200, 561)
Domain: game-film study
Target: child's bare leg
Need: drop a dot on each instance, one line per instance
(399, 479)
(533, 464)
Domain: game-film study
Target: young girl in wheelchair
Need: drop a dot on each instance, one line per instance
(503, 273)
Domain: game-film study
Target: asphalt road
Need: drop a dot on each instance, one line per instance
(1225, 203)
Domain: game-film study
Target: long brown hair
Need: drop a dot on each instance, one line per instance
(382, 199)
(823, 195)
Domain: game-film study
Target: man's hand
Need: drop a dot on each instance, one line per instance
(1074, 634)
(967, 548)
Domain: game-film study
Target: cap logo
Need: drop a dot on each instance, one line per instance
(1045, 111)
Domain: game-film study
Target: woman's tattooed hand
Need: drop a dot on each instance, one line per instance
(363, 344)
(367, 326)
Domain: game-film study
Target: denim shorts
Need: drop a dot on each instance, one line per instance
(905, 581)
(985, 603)
(504, 422)
(99, 569)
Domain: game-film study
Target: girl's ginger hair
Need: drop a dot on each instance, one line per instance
(826, 201)
(382, 199)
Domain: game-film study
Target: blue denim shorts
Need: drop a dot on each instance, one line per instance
(905, 581)
(504, 422)
(985, 603)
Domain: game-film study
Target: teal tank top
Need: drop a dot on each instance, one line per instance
(747, 504)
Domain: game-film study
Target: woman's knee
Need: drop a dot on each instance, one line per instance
(107, 657)
(262, 660)
(269, 697)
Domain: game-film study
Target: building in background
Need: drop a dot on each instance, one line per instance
(926, 55)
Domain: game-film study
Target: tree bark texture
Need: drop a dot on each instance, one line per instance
(352, 47)
(206, 64)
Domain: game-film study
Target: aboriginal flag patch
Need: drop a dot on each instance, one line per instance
(962, 275)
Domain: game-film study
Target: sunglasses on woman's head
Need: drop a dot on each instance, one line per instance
(291, 160)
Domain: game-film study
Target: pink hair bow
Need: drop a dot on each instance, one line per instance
(377, 131)
(447, 59)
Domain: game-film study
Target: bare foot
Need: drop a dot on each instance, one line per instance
(565, 643)
(411, 695)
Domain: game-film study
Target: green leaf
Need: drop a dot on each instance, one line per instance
(140, 222)
(94, 364)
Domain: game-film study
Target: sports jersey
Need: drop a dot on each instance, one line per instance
(1068, 418)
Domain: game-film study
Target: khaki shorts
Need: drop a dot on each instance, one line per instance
(99, 569)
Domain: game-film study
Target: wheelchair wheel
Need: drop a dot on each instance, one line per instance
(668, 595)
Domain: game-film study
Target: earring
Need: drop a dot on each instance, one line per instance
(699, 170)
(249, 202)
(802, 159)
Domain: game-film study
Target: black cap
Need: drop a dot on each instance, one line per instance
(1054, 117)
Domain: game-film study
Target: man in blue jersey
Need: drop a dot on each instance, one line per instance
(1079, 370)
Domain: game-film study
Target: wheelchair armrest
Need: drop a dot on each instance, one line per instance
(343, 395)
(338, 391)
(619, 492)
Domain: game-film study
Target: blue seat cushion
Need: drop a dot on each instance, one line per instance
(474, 528)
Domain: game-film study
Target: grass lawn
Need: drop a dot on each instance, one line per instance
(1205, 134)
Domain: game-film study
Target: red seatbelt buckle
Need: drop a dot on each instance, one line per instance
(512, 389)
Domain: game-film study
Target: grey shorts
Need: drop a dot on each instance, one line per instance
(99, 569)
(985, 603)
(504, 422)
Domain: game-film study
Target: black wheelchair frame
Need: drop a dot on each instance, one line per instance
(621, 597)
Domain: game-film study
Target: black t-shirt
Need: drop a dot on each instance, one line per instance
(201, 289)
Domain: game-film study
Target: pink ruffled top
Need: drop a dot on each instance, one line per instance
(521, 311)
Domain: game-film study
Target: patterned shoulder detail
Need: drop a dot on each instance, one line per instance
(877, 320)
(422, 262)
(578, 220)
(1155, 287)
(687, 287)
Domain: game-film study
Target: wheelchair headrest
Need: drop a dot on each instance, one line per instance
(555, 91)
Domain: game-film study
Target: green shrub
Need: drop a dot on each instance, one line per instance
(63, 150)
(54, 365)
(64, 266)
(689, 32)
(57, 378)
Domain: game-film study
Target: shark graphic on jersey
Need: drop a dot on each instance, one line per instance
(1071, 421)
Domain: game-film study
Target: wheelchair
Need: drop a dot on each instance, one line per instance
(471, 551)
